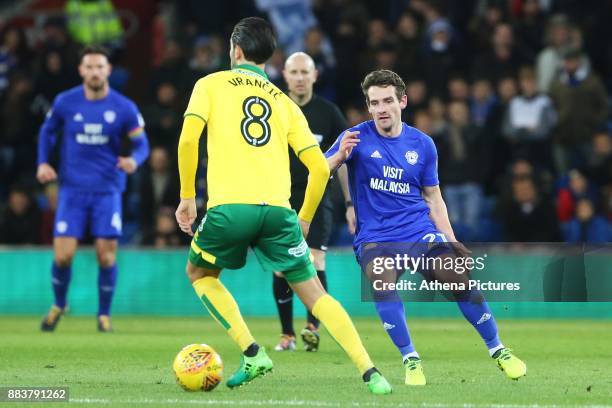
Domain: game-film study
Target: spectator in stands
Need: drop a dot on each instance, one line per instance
(54, 37)
(482, 26)
(350, 34)
(94, 22)
(18, 124)
(386, 56)
(165, 233)
(549, 60)
(275, 66)
(506, 89)
(483, 101)
(586, 226)
(460, 173)
(441, 57)
(529, 119)
(520, 169)
(423, 121)
(530, 216)
(14, 54)
(529, 27)
(174, 68)
(53, 77)
(437, 110)
(163, 118)
(319, 48)
(458, 89)
(206, 57)
(502, 58)
(355, 115)
(494, 143)
(20, 220)
(159, 188)
(599, 163)
(573, 188)
(377, 33)
(417, 99)
(408, 36)
(582, 104)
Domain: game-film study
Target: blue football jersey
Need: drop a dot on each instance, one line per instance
(91, 138)
(386, 177)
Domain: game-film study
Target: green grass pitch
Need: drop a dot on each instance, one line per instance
(569, 364)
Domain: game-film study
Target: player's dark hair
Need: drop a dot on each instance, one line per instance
(94, 49)
(383, 78)
(256, 38)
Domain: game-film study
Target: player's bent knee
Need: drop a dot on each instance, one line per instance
(63, 251)
(106, 252)
(63, 260)
(106, 260)
(195, 272)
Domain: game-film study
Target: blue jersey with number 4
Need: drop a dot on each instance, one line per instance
(386, 178)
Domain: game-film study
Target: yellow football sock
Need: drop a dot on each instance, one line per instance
(339, 325)
(222, 306)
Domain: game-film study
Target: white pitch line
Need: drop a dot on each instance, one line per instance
(309, 403)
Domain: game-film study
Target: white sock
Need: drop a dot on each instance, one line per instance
(411, 354)
(494, 349)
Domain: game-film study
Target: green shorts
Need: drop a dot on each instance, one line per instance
(228, 230)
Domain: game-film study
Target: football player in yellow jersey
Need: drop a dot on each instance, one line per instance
(250, 125)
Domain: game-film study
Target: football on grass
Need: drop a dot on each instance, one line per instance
(198, 367)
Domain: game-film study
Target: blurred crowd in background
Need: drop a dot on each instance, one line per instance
(515, 94)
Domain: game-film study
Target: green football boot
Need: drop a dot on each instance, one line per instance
(510, 364)
(414, 371)
(251, 368)
(378, 384)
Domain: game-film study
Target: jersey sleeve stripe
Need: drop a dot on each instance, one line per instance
(136, 132)
(194, 114)
(306, 148)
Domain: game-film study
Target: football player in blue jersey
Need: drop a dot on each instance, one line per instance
(89, 121)
(393, 180)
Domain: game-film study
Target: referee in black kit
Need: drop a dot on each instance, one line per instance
(326, 123)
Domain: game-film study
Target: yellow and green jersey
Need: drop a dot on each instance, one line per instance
(250, 123)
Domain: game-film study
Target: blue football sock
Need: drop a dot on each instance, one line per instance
(476, 310)
(60, 279)
(106, 288)
(391, 312)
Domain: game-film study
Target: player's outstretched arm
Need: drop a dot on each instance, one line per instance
(439, 215)
(45, 173)
(349, 140)
(318, 176)
(140, 151)
(350, 210)
(437, 211)
(188, 164)
(46, 141)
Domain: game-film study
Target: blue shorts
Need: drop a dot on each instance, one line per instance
(77, 210)
(426, 243)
